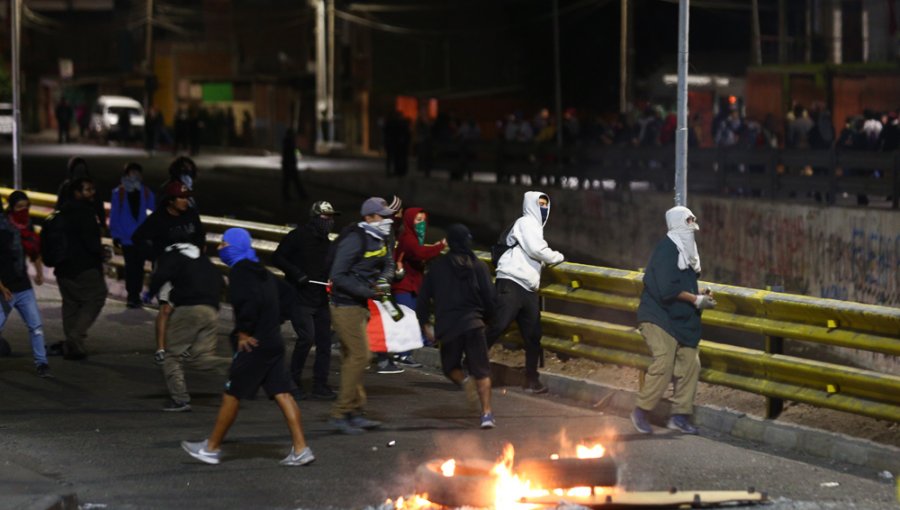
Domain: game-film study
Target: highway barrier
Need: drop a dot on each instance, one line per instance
(777, 316)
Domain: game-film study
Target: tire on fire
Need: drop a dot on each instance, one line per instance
(569, 472)
(472, 484)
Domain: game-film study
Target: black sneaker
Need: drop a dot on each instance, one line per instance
(43, 370)
(175, 406)
(55, 349)
(323, 393)
(387, 366)
(408, 361)
(535, 387)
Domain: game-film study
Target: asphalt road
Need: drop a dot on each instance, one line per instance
(97, 429)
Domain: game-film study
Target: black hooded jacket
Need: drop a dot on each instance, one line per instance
(304, 253)
(461, 288)
(254, 296)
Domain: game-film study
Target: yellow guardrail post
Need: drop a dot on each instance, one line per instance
(774, 345)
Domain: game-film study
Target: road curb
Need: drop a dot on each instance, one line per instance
(784, 437)
(24, 489)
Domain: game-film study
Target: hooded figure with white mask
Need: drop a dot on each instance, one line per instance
(669, 320)
(518, 280)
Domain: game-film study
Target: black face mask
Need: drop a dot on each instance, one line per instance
(324, 226)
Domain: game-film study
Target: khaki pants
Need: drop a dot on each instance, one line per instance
(83, 297)
(671, 362)
(349, 322)
(191, 340)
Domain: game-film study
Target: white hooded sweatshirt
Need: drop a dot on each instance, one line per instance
(522, 263)
(682, 234)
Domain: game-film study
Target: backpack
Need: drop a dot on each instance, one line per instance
(54, 242)
(500, 247)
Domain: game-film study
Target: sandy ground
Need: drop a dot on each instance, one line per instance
(625, 377)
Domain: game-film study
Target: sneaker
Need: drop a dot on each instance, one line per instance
(323, 393)
(471, 388)
(408, 361)
(640, 422)
(682, 423)
(487, 421)
(176, 406)
(298, 459)
(344, 426)
(387, 366)
(535, 387)
(133, 305)
(198, 451)
(43, 370)
(362, 422)
(55, 349)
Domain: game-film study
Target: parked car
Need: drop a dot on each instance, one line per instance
(6, 120)
(106, 114)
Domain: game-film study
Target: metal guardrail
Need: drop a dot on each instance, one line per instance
(777, 315)
(770, 173)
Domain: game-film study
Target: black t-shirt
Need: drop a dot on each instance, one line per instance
(162, 229)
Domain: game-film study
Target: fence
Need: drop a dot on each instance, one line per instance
(776, 315)
(770, 173)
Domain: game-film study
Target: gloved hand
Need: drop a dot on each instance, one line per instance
(382, 287)
(704, 302)
(160, 357)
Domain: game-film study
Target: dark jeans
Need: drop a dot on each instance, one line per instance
(514, 302)
(134, 273)
(83, 297)
(312, 325)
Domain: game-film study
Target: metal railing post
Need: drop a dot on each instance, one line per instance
(774, 406)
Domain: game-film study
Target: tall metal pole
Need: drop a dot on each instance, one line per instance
(681, 135)
(330, 113)
(321, 74)
(556, 72)
(148, 57)
(16, 19)
(623, 58)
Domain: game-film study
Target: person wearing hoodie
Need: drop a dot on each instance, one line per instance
(77, 168)
(362, 269)
(460, 287)
(259, 360)
(413, 253)
(191, 332)
(302, 256)
(518, 280)
(18, 244)
(669, 320)
(130, 204)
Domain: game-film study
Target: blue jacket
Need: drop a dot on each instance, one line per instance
(122, 223)
(663, 281)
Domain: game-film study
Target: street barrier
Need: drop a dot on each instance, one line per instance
(778, 316)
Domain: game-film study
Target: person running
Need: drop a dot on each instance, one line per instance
(518, 280)
(669, 320)
(362, 269)
(130, 204)
(460, 286)
(18, 244)
(259, 360)
(302, 256)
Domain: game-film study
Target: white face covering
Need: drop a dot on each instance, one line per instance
(381, 228)
(682, 234)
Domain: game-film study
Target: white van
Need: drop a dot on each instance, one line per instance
(106, 114)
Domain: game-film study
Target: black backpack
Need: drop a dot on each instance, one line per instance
(500, 247)
(54, 242)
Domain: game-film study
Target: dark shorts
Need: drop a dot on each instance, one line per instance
(472, 343)
(250, 370)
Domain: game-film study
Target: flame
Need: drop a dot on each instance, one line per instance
(554, 456)
(415, 502)
(594, 451)
(448, 468)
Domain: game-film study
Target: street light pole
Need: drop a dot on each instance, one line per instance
(681, 135)
(16, 20)
(321, 76)
(148, 49)
(331, 74)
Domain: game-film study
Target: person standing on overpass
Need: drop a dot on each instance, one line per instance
(518, 280)
(669, 320)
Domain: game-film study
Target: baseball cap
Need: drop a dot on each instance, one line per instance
(322, 207)
(376, 205)
(176, 189)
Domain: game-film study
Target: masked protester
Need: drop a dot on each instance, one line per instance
(259, 360)
(18, 244)
(518, 280)
(302, 255)
(669, 320)
(362, 269)
(130, 204)
(460, 287)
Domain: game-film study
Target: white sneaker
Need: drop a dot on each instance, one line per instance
(198, 451)
(298, 459)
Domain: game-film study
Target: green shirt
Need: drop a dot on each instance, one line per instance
(663, 281)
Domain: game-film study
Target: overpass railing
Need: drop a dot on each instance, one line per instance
(777, 316)
(770, 173)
